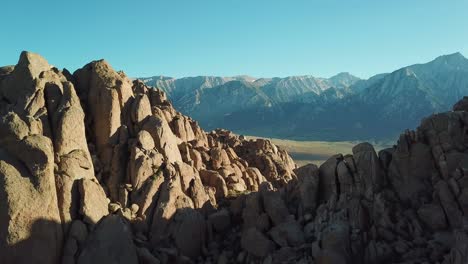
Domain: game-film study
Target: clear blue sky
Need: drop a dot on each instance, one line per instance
(263, 38)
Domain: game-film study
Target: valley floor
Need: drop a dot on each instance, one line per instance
(316, 152)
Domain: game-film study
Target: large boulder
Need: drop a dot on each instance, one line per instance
(30, 224)
(93, 202)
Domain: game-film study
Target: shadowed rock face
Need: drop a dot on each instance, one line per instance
(95, 168)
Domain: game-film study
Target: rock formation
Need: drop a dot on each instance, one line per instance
(96, 168)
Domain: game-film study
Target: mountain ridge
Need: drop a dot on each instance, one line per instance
(432, 87)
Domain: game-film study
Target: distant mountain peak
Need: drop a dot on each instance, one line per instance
(453, 59)
(343, 80)
(454, 55)
(343, 74)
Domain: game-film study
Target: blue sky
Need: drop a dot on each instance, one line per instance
(232, 37)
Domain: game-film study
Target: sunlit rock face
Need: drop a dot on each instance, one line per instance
(96, 168)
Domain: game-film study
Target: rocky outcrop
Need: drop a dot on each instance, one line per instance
(95, 168)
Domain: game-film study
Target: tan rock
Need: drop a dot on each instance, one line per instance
(13, 127)
(107, 97)
(141, 109)
(166, 142)
(93, 203)
(219, 158)
(214, 179)
(182, 128)
(197, 159)
(26, 174)
(171, 198)
(144, 161)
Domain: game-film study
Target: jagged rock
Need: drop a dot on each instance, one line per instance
(18, 86)
(110, 242)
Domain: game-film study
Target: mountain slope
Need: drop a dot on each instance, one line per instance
(211, 100)
(340, 108)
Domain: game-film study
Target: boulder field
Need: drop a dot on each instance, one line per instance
(97, 168)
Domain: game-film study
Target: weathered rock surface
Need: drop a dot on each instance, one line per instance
(96, 168)
(93, 202)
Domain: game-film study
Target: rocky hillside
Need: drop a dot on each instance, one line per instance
(95, 168)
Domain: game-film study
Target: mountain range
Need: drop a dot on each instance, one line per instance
(343, 107)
